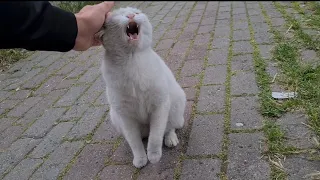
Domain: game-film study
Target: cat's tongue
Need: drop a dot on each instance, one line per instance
(133, 36)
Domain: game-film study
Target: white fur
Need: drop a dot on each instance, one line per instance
(144, 96)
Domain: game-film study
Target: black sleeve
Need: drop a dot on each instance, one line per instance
(36, 25)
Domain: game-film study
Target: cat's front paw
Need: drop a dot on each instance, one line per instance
(139, 162)
(171, 140)
(155, 156)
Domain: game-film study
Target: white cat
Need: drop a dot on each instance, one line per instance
(144, 97)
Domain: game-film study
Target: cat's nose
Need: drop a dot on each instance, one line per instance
(130, 16)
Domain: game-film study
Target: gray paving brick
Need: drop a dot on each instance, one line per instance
(215, 75)
(115, 172)
(36, 80)
(257, 18)
(50, 59)
(223, 8)
(241, 35)
(22, 108)
(101, 100)
(207, 21)
(93, 92)
(20, 95)
(222, 23)
(87, 123)
(28, 78)
(165, 44)
(239, 10)
(240, 18)
(242, 47)
(242, 63)
(202, 39)
(58, 159)
(265, 51)
(123, 153)
(71, 96)
(243, 25)
(201, 169)
(308, 56)
(75, 112)
(171, 34)
(90, 75)
(297, 134)
(5, 123)
(243, 83)
(5, 94)
(245, 157)
(254, 12)
(192, 67)
(24, 169)
(40, 107)
(210, 126)
(15, 153)
(206, 29)
(245, 110)
(9, 135)
(174, 61)
(197, 53)
(164, 169)
(218, 56)
(8, 104)
(223, 15)
(211, 98)
(44, 124)
(52, 140)
(106, 132)
(49, 85)
(279, 21)
(300, 167)
(90, 161)
(266, 37)
(188, 81)
(180, 48)
(222, 31)
(65, 83)
(190, 93)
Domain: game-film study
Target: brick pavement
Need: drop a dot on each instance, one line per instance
(54, 122)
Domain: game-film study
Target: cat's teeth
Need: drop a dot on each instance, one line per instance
(128, 26)
(137, 26)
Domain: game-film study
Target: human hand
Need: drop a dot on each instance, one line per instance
(90, 20)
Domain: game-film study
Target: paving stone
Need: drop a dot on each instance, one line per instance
(205, 29)
(71, 96)
(75, 112)
(245, 157)
(4, 95)
(90, 161)
(211, 98)
(43, 125)
(30, 79)
(240, 18)
(201, 169)
(101, 100)
(115, 172)
(308, 56)
(207, 21)
(243, 25)
(222, 32)
(49, 85)
(5, 123)
(240, 10)
(242, 47)
(171, 34)
(265, 51)
(219, 56)
(299, 167)
(245, 110)
(38, 109)
(90, 75)
(242, 63)
(202, 39)
(221, 43)
(210, 126)
(106, 132)
(223, 15)
(297, 134)
(257, 18)
(241, 35)
(123, 153)
(87, 123)
(52, 140)
(188, 113)
(22, 108)
(276, 22)
(24, 169)
(215, 75)
(243, 83)
(92, 93)
(266, 38)
(197, 52)
(58, 159)
(67, 68)
(222, 23)
(188, 81)
(192, 67)
(16, 152)
(254, 12)
(190, 93)
(165, 44)
(164, 169)
(20, 95)
(8, 136)
(224, 8)
(7, 105)
(180, 48)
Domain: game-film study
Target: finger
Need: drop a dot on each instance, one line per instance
(106, 6)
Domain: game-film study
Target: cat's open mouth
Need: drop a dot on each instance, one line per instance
(132, 30)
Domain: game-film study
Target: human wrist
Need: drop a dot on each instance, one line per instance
(81, 39)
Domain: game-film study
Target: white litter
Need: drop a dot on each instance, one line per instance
(284, 95)
(239, 124)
